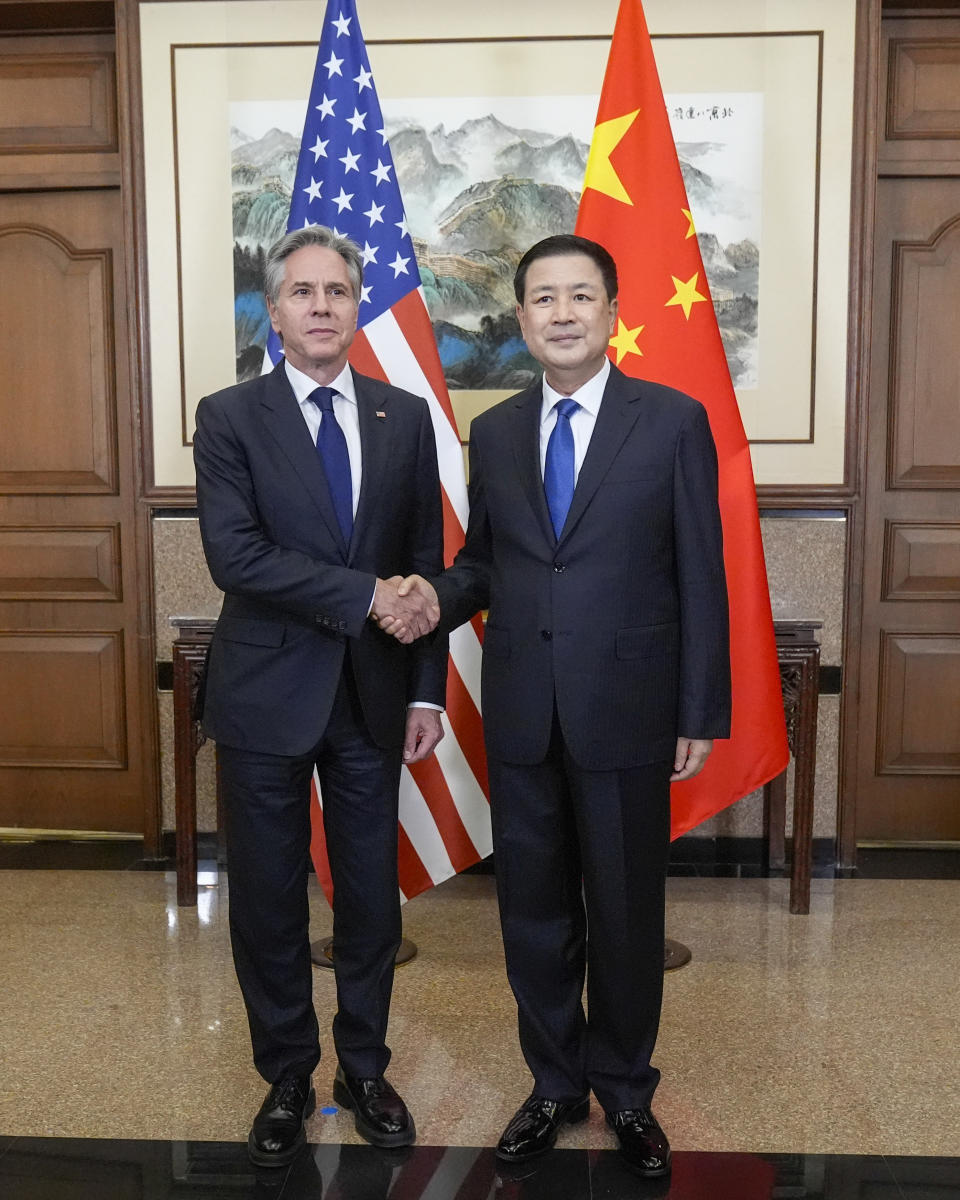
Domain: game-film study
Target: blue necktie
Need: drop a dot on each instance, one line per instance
(559, 470)
(332, 448)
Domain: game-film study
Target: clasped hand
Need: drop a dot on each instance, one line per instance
(405, 608)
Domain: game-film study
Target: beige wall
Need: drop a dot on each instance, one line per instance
(805, 565)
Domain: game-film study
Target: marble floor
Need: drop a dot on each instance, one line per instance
(801, 1056)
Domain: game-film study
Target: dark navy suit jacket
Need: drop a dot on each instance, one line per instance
(294, 592)
(622, 622)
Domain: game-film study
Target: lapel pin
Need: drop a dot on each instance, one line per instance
(381, 415)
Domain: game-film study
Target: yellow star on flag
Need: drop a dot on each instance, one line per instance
(600, 174)
(691, 232)
(686, 294)
(624, 341)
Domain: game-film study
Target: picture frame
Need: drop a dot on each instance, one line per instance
(199, 55)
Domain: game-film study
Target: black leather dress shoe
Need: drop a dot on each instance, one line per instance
(535, 1126)
(277, 1132)
(643, 1144)
(379, 1114)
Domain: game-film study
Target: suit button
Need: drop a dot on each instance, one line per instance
(559, 568)
(546, 635)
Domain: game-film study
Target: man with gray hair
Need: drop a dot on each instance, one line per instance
(317, 489)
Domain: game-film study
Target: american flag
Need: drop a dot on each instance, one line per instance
(346, 180)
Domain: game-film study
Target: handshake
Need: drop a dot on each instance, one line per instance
(405, 608)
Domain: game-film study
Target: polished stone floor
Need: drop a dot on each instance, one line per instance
(48, 1169)
(813, 1056)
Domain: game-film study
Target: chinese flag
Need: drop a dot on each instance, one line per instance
(635, 204)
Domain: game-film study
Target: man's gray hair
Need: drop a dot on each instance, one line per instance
(312, 235)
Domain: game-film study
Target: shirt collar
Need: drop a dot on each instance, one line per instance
(588, 396)
(303, 386)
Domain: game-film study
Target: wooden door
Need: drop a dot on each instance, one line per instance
(76, 734)
(908, 736)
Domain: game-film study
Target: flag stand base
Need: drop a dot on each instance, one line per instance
(676, 955)
(322, 952)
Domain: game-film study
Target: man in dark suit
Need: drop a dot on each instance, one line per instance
(313, 501)
(595, 541)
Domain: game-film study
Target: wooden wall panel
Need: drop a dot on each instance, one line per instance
(62, 700)
(58, 426)
(56, 102)
(925, 381)
(918, 725)
(901, 777)
(42, 563)
(921, 561)
(919, 120)
(924, 96)
(78, 731)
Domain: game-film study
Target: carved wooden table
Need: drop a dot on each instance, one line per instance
(798, 653)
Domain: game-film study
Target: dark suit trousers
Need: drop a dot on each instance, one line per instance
(579, 850)
(268, 847)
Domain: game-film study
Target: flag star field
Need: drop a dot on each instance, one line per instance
(345, 175)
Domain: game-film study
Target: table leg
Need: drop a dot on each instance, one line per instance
(774, 824)
(185, 749)
(806, 757)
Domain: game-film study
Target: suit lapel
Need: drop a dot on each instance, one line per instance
(526, 449)
(285, 423)
(375, 451)
(617, 415)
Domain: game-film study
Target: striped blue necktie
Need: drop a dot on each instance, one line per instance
(332, 448)
(559, 468)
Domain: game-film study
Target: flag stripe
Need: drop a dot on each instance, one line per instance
(318, 840)
(433, 787)
(465, 649)
(414, 321)
(418, 823)
(389, 345)
(465, 787)
(363, 359)
(384, 340)
(452, 533)
(465, 718)
(414, 876)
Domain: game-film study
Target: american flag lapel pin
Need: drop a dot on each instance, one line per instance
(381, 416)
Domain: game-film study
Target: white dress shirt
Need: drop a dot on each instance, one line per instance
(583, 420)
(345, 410)
(348, 418)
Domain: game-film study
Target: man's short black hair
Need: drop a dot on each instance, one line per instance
(568, 243)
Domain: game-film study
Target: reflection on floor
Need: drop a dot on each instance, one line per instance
(54, 1168)
(798, 1053)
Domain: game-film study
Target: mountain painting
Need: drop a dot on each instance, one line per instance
(483, 179)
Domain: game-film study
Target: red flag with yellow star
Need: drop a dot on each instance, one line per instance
(634, 203)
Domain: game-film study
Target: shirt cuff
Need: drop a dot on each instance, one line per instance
(425, 704)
